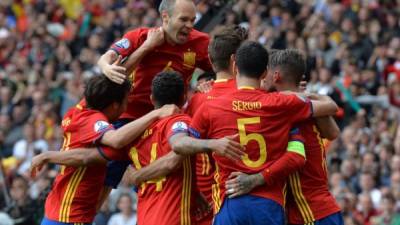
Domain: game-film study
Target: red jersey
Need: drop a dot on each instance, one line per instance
(182, 58)
(263, 121)
(166, 200)
(76, 190)
(205, 165)
(309, 198)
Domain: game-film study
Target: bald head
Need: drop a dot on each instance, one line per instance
(169, 5)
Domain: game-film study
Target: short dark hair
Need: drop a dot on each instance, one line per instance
(224, 43)
(100, 92)
(251, 59)
(168, 88)
(291, 63)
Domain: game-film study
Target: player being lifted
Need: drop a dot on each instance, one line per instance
(263, 121)
(147, 51)
(309, 200)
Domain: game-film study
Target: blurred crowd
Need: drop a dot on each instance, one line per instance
(49, 47)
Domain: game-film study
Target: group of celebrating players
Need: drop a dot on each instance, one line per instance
(250, 148)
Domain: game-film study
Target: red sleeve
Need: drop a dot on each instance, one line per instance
(112, 154)
(200, 122)
(92, 126)
(178, 125)
(202, 60)
(129, 42)
(194, 103)
(289, 163)
(297, 108)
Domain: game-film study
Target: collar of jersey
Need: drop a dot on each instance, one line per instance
(246, 88)
(220, 80)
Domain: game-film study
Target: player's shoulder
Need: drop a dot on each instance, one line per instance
(137, 33)
(195, 34)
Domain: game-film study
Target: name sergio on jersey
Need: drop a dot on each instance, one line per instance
(245, 106)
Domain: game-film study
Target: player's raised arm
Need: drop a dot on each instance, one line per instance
(129, 132)
(110, 65)
(323, 106)
(155, 37)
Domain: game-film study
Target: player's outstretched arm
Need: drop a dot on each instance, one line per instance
(293, 160)
(159, 168)
(185, 145)
(110, 66)
(76, 157)
(323, 106)
(328, 127)
(129, 132)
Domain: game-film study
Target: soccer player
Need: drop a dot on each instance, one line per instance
(222, 48)
(76, 190)
(263, 121)
(174, 46)
(168, 87)
(168, 200)
(309, 200)
(148, 51)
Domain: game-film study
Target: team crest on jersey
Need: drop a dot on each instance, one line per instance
(179, 127)
(100, 126)
(189, 59)
(123, 43)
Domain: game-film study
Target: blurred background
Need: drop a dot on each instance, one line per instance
(49, 47)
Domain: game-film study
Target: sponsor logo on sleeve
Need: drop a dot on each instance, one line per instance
(123, 43)
(101, 126)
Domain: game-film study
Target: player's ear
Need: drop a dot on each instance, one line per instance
(276, 77)
(165, 17)
(152, 100)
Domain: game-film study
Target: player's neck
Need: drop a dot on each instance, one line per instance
(287, 87)
(247, 82)
(224, 75)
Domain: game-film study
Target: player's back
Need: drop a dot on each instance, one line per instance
(183, 58)
(205, 165)
(263, 121)
(309, 198)
(167, 200)
(75, 192)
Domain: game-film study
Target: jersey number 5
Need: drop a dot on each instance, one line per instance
(153, 156)
(246, 138)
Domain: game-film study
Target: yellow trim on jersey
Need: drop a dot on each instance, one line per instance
(216, 191)
(284, 191)
(205, 164)
(186, 192)
(70, 193)
(322, 147)
(246, 88)
(65, 147)
(220, 80)
(304, 208)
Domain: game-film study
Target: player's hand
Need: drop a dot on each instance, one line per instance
(37, 164)
(203, 207)
(155, 38)
(205, 87)
(228, 147)
(115, 72)
(239, 183)
(167, 110)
